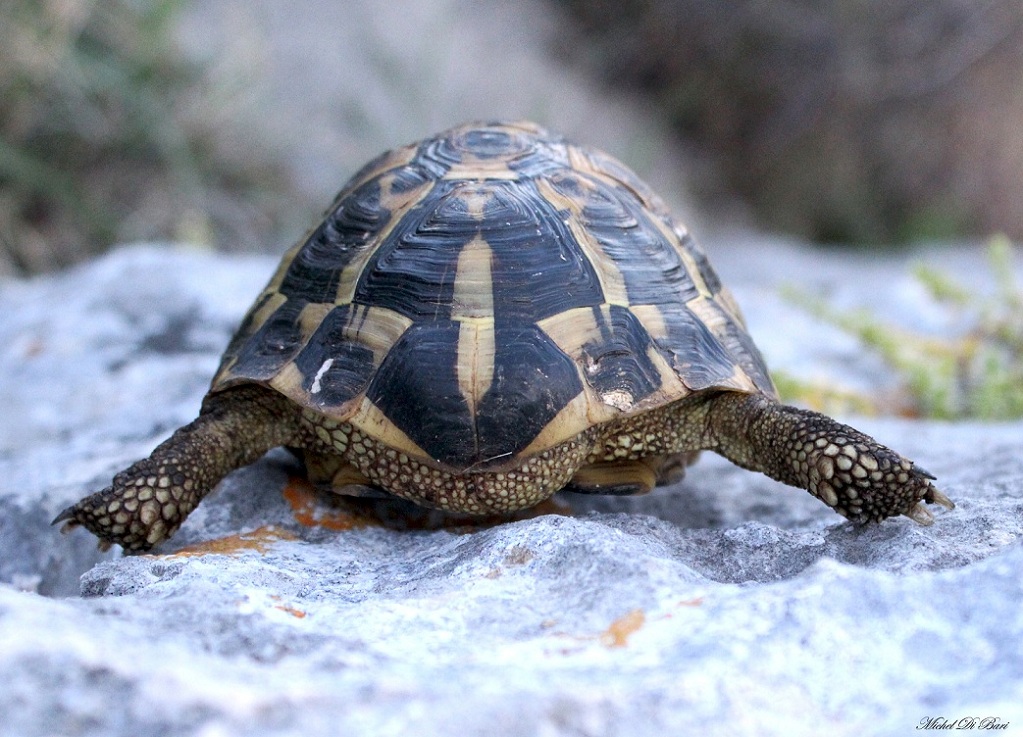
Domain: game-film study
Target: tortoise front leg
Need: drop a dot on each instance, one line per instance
(148, 501)
(847, 470)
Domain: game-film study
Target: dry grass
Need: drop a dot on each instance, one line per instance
(107, 135)
(976, 373)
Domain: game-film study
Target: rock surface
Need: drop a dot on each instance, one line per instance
(728, 604)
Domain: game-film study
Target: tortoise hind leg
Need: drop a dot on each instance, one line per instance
(330, 472)
(671, 468)
(847, 470)
(631, 477)
(616, 478)
(148, 501)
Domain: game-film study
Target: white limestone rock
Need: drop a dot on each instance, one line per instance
(727, 604)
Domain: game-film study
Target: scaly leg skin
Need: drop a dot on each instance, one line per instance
(148, 501)
(847, 470)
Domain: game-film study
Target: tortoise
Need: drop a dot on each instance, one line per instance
(482, 319)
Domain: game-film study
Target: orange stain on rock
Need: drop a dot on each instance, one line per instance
(310, 511)
(297, 613)
(259, 540)
(617, 635)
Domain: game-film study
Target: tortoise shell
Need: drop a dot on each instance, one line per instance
(488, 293)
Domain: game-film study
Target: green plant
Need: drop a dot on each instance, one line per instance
(977, 373)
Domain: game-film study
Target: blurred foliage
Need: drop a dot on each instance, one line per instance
(109, 133)
(821, 396)
(838, 120)
(976, 374)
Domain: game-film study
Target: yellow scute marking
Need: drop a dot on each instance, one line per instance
(473, 167)
(580, 414)
(476, 199)
(369, 419)
(311, 317)
(571, 331)
(394, 159)
(474, 287)
(475, 367)
(377, 328)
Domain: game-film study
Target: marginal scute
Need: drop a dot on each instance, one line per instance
(315, 271)
(732, 339)
(532, 381)
(492, 293)
(703, 267)
(335, 369)
(271, 346)
(399, 159)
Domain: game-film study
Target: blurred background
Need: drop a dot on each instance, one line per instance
(231, 124)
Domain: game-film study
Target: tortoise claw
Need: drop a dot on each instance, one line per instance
(920, 514)
(933, 496)
(70, 519)
(923, 472)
